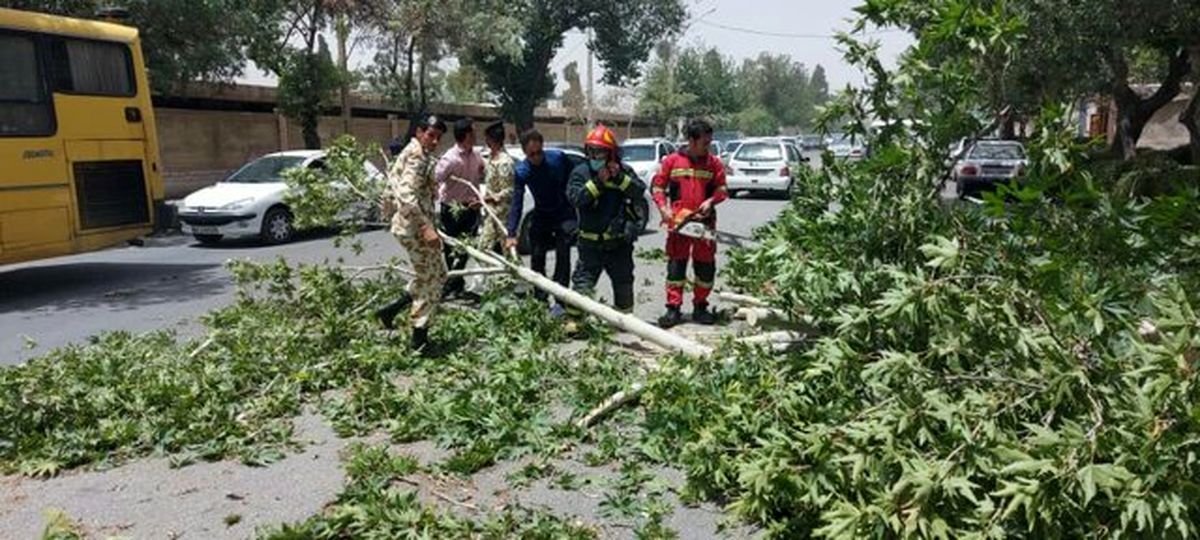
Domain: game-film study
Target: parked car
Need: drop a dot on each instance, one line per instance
(575, 158)
(250, 203)
(728, 148)
(646, 155)
(988, 163)
(763, 165)
(812, 142)
(847, 147)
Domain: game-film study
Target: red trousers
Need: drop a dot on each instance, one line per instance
(703, 254)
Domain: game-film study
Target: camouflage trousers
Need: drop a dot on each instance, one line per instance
(493, 233)
(429, 265)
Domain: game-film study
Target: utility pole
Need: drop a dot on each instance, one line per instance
(591, 101)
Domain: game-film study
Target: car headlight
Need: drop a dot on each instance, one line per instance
(237, 205)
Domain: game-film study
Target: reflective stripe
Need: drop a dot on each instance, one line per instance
(679, 283)
(704, 284)
(694, 173)
(625, 184)
(657, 189)
(591, 187)
(722, 188)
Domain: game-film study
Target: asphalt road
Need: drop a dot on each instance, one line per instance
(171, 281)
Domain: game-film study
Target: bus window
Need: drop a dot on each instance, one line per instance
(94, 68)
(25, 108)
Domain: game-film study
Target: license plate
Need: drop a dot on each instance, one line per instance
(205, 229)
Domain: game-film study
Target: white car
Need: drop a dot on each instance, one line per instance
(645, 156)
(250, 203)
(763, 165)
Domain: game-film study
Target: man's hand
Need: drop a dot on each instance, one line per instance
(604, 174)
(430, 236)
(510, 244)
(705, 209)
(667, 218)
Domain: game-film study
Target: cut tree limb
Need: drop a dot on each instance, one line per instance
(756, 315)
(487, 209)
(742, 299)
(616, 401)
(621, 321)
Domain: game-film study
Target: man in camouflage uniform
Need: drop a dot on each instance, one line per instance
(499, 175)
(409, 197)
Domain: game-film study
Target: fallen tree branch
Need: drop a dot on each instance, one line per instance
(756, 315)
(487, 209)
(621, 321)
(735, 298)
(611, 404)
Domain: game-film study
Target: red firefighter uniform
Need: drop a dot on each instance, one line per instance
(686, 183)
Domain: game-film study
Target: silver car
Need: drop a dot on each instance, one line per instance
(988, 163)
(763, 165)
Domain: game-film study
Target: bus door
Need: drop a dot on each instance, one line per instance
(103, 123)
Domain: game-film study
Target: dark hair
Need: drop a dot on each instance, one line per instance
(530, 136)
(462, 128)
(696, 128)
(431, 121)
(494, 132)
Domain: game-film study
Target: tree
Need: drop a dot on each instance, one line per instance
(465, 85)
(183, 40)
(659, 98)
(308, 77)
(712, 79)
(573, 99)
(819, 86)
(780, 86)
(756, 121)
(518, 70)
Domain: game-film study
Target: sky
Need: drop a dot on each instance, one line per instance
(802, 29)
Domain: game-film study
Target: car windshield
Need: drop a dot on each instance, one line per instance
(638, 152)
(759, 152)
(998, 151)
(265, 170)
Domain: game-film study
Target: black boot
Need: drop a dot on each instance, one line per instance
(387, 315)
(420, 340)
(701, 315)
(672, 318)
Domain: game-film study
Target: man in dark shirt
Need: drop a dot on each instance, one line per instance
(545, 174)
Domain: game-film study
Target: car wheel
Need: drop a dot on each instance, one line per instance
(207, 239)
(277, 226)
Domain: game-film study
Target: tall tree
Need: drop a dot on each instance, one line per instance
(779, 85)
(183, 40)
(712, 79)
(518, 70)
(465, 85)
(819, 86)
(308, 78)
(659, 98)
(574, 101)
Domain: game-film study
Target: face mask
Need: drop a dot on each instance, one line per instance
(597, 164)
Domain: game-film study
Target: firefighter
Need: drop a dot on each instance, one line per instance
(687, 189)
(409, 200)
(603, 191)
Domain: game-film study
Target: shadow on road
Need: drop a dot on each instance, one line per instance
(115, 286)
(235, 244)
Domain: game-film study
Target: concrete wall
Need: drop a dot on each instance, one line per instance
(204, 136)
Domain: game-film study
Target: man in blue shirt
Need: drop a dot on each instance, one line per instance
(554, 223)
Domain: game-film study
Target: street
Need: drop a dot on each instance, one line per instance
(171, 281)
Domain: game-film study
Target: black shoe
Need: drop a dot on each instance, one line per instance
(387, 315)
(701, 315)
(420, 340)
(672, 318)
(471, 296)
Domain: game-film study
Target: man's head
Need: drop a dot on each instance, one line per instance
(429, 132)
(531, 144)
(464, 133)
(700, 136)
(601, 147)
(494, 136)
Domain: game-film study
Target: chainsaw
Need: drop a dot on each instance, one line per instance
(687, 223)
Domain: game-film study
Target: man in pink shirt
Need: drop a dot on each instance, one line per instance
(460, 207)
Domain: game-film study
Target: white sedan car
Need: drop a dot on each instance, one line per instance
(763, 165)
(250, 203)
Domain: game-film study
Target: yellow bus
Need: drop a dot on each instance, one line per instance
(79, 162)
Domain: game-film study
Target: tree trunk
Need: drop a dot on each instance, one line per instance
(1133, 112)
(310, 118)
(343, 36)
(1189, 117)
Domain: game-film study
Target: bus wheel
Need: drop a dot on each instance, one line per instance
(277, 226)
(208, 239)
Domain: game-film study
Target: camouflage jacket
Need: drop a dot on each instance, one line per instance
(411, 189)
(499, 175)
